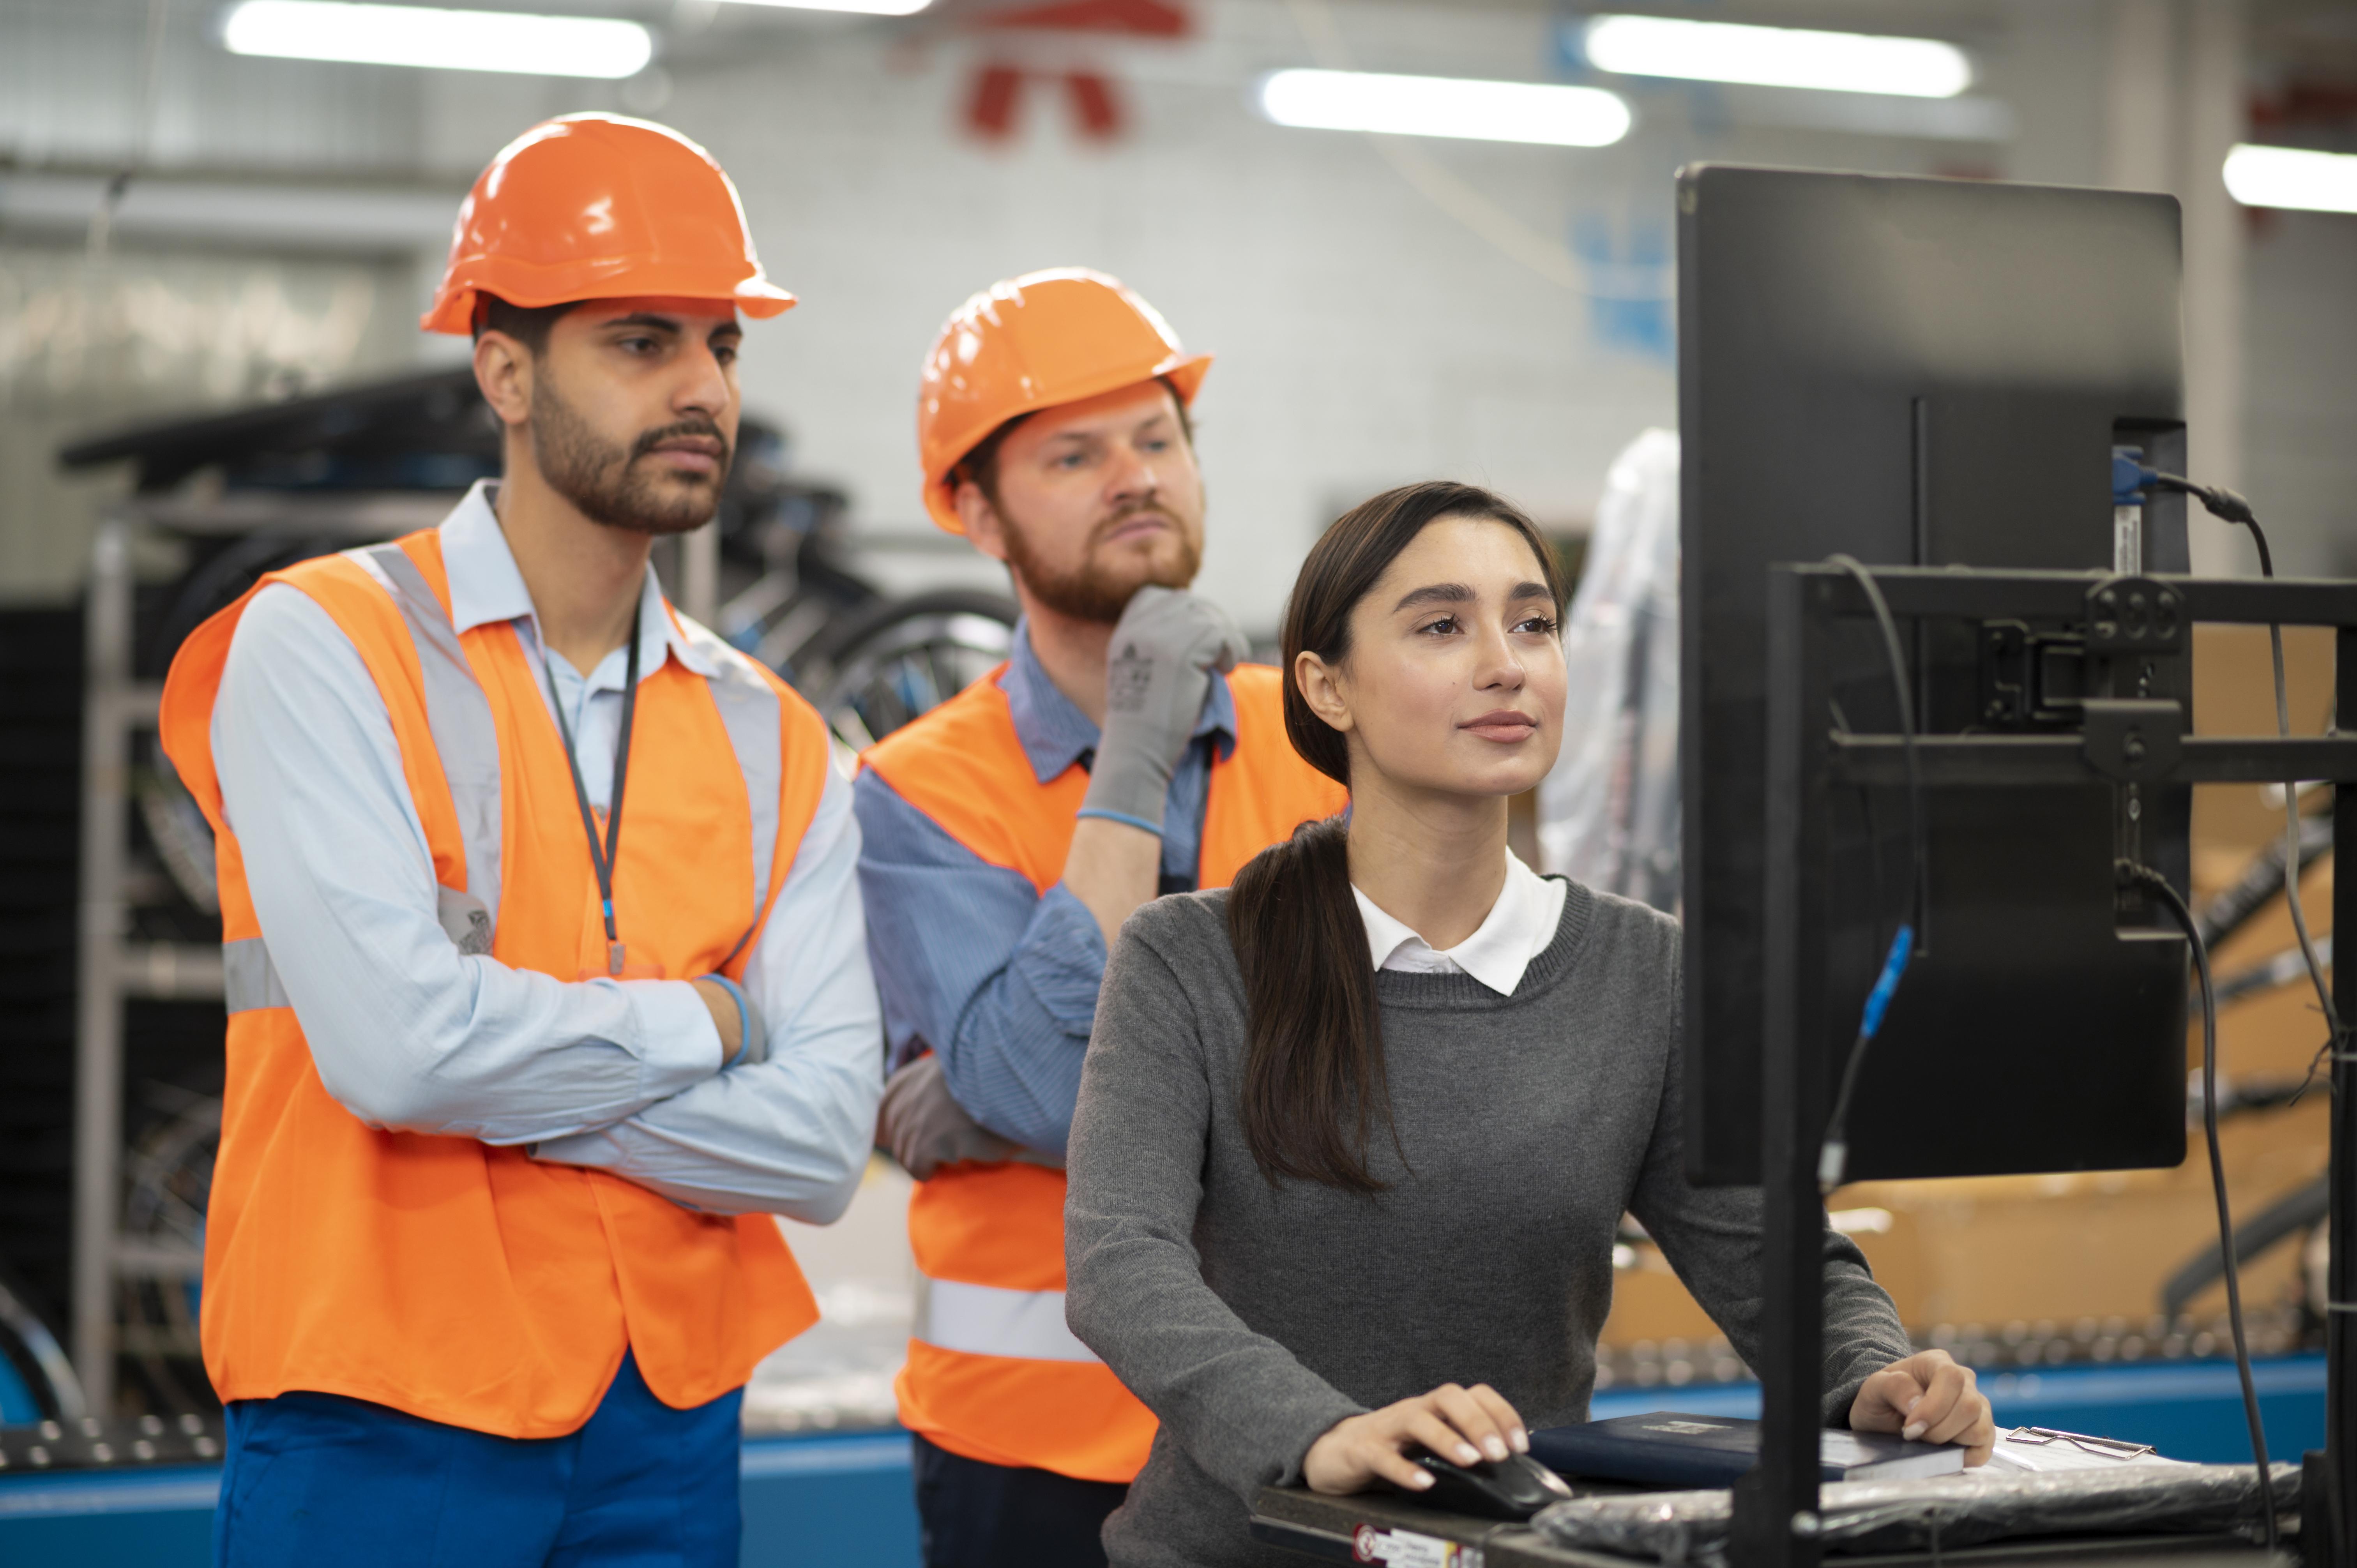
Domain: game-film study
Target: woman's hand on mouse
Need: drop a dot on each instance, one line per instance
(1929, 1399)
(1468, 1426)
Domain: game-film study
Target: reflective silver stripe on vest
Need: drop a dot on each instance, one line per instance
(755, 719)
(248, 977)
(460, 715)
(249, 980)
(983, 1320)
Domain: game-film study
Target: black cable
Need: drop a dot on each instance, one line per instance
(1833, 1155)
(2222, 502)
(2132, 874)
(2225, 504)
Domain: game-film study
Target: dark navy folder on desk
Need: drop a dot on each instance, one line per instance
(1668, 1448)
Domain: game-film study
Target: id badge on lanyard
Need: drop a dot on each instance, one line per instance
(619, 964)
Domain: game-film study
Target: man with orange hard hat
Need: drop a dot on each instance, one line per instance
(490, 1254)
(1120, 752)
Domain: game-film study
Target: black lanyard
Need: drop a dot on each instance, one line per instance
(603, 858)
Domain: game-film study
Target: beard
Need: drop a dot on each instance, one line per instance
(604, 479)
(1097, 590)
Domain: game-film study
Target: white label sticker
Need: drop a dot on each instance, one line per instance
(1406, 1549)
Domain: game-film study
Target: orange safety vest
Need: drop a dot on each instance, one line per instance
(993, 1372)
(462, 1283)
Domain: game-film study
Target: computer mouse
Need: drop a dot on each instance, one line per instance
(1513, 1488)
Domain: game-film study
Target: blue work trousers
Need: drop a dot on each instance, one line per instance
(976, 1514)
(319, 1478)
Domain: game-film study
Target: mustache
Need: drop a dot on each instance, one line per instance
(1128, 511)
(651, 439)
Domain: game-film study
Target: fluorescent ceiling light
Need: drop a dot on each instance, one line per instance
(1445, 106)
(1775, 56)
(866, 7)
(2292, 177)
(451, 40)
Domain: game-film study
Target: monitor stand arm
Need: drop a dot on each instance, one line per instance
(2328, 1499)
(1775, 1522)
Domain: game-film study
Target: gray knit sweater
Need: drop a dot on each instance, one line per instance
(1250, 1318)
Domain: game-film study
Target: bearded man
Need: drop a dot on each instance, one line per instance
(488, 1257)
(1121, 753)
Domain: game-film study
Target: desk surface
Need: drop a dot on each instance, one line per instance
(1411, 1537)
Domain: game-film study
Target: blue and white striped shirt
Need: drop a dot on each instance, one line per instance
(974, 964)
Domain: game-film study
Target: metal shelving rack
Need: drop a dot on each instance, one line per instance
(117, 707)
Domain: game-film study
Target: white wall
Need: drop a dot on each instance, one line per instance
(1364, 335)
(2300, 455)
(73, 88)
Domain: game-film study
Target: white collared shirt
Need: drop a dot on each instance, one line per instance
(1517, 929)
(411, 1034)
(487, 586)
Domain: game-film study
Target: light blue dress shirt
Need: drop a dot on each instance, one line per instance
(408, 1032)
(976, 965)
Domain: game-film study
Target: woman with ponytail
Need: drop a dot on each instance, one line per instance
(1355, 1135)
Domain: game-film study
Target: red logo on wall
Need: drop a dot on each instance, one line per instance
(994, 95)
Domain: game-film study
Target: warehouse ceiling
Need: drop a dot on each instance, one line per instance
(2302, 53)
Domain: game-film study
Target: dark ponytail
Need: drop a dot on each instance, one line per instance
(1313, 1062)
(1314, 1082)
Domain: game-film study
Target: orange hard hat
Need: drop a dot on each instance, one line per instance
(1031, 343)
(600, 206)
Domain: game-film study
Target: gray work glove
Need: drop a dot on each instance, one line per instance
(925, 1128)
(1158, 673)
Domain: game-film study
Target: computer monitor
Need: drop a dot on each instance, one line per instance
(1928, 372)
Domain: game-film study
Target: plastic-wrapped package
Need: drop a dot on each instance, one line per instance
(1609, 812)
(1937, 1512)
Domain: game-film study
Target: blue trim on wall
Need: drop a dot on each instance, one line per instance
(768, 1456)
(838, 1498)
(169, 1490)
(17, 1406)
(835, 1497)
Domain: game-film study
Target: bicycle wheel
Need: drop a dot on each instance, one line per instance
(906, 656)
(183, 839)
(35, 1367)
(167, 1176)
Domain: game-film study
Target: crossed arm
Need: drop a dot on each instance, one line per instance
(407, 1032)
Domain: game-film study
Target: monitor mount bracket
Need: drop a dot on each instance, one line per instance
(2131, 741)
